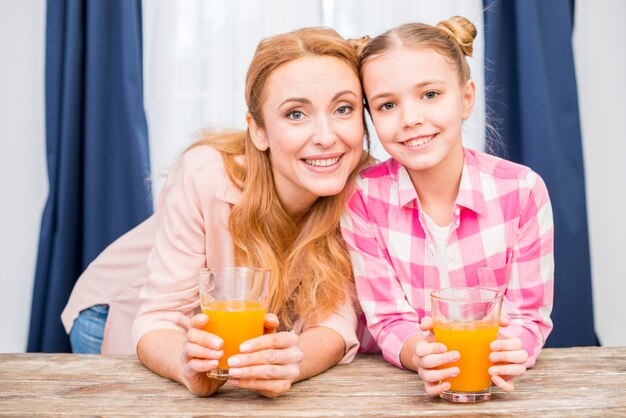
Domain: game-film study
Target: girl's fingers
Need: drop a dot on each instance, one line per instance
(426, 324)
(435, 375)
(437, 360)
(435, 389)
(503, 343)
(504, 320)
(516, 357)
(507, 370)
(504, 384)
(426, 348)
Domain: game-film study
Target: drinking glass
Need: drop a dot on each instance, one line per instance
(234, 299)
(467, 319)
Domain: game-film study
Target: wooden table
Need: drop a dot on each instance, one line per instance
(566, 382)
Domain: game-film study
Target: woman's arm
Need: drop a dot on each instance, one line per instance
(272, 363)
(170, 362)
(322, 348)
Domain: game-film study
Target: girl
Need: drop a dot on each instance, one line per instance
(437, 215)
(271, 197)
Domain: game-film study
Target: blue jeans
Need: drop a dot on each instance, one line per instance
(88, 330)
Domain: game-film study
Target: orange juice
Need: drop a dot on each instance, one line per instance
(235, 321)
(472, 340)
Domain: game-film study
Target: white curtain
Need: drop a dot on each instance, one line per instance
(196, 54)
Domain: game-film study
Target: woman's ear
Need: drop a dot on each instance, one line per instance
(469, 94)
(257, 134)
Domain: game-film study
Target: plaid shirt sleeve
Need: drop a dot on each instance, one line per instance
(390, 318)
(529, 294)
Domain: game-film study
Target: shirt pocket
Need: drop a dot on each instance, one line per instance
(494, 278)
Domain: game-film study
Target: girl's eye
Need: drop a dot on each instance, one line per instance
(294, 114)
(387, 106)
(431, 95)
(344, 110)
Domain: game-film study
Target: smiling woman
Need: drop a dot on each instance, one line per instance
(280, 187)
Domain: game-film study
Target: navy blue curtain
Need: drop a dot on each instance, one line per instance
(97, 149)
(531, 90)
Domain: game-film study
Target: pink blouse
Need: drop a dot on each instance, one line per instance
(148, 277)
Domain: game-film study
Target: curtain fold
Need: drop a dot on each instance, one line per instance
(531, 91)
(97, 149)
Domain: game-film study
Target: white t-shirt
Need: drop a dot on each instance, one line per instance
(440, 236)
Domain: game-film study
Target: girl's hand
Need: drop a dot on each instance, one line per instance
(430, 358)
(201, 352)
(268, 364)
(509, 360)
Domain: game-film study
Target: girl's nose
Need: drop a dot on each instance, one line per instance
(412, 116)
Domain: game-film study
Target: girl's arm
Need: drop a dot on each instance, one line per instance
(528, 298)
(390, 317)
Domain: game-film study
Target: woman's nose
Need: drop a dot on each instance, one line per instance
(324, 134)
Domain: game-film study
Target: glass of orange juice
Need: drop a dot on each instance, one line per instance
(234, 299)
(467, 319)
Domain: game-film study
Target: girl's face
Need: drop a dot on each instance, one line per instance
(418, 105)
(313, 115)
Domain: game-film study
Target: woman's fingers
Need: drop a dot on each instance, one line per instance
(191, 350)
(266, 372)
(199, 320)
(195, 366)
(267, 341)
(267, 388)
(270, 323)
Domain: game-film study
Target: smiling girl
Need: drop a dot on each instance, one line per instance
(437, 215)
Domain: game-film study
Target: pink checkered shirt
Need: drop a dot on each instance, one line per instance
(502, 237)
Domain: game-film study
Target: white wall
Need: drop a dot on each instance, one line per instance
(601, 71)
(23, 177)
(23, 183)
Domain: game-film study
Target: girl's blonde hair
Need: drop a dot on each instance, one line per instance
(453, 38)
(313, 255)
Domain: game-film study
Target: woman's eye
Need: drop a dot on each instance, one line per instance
(387, 106)
(344, 110)
(431, 95)
(295, 114)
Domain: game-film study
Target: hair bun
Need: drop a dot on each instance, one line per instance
(462, 30)
(359, 44)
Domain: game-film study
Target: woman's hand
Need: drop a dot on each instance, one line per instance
(200, 354)
(268, 364)
(430, 360)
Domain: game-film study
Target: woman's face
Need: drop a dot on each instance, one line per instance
(313, 115)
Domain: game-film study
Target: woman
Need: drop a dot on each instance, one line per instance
(268, 197)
